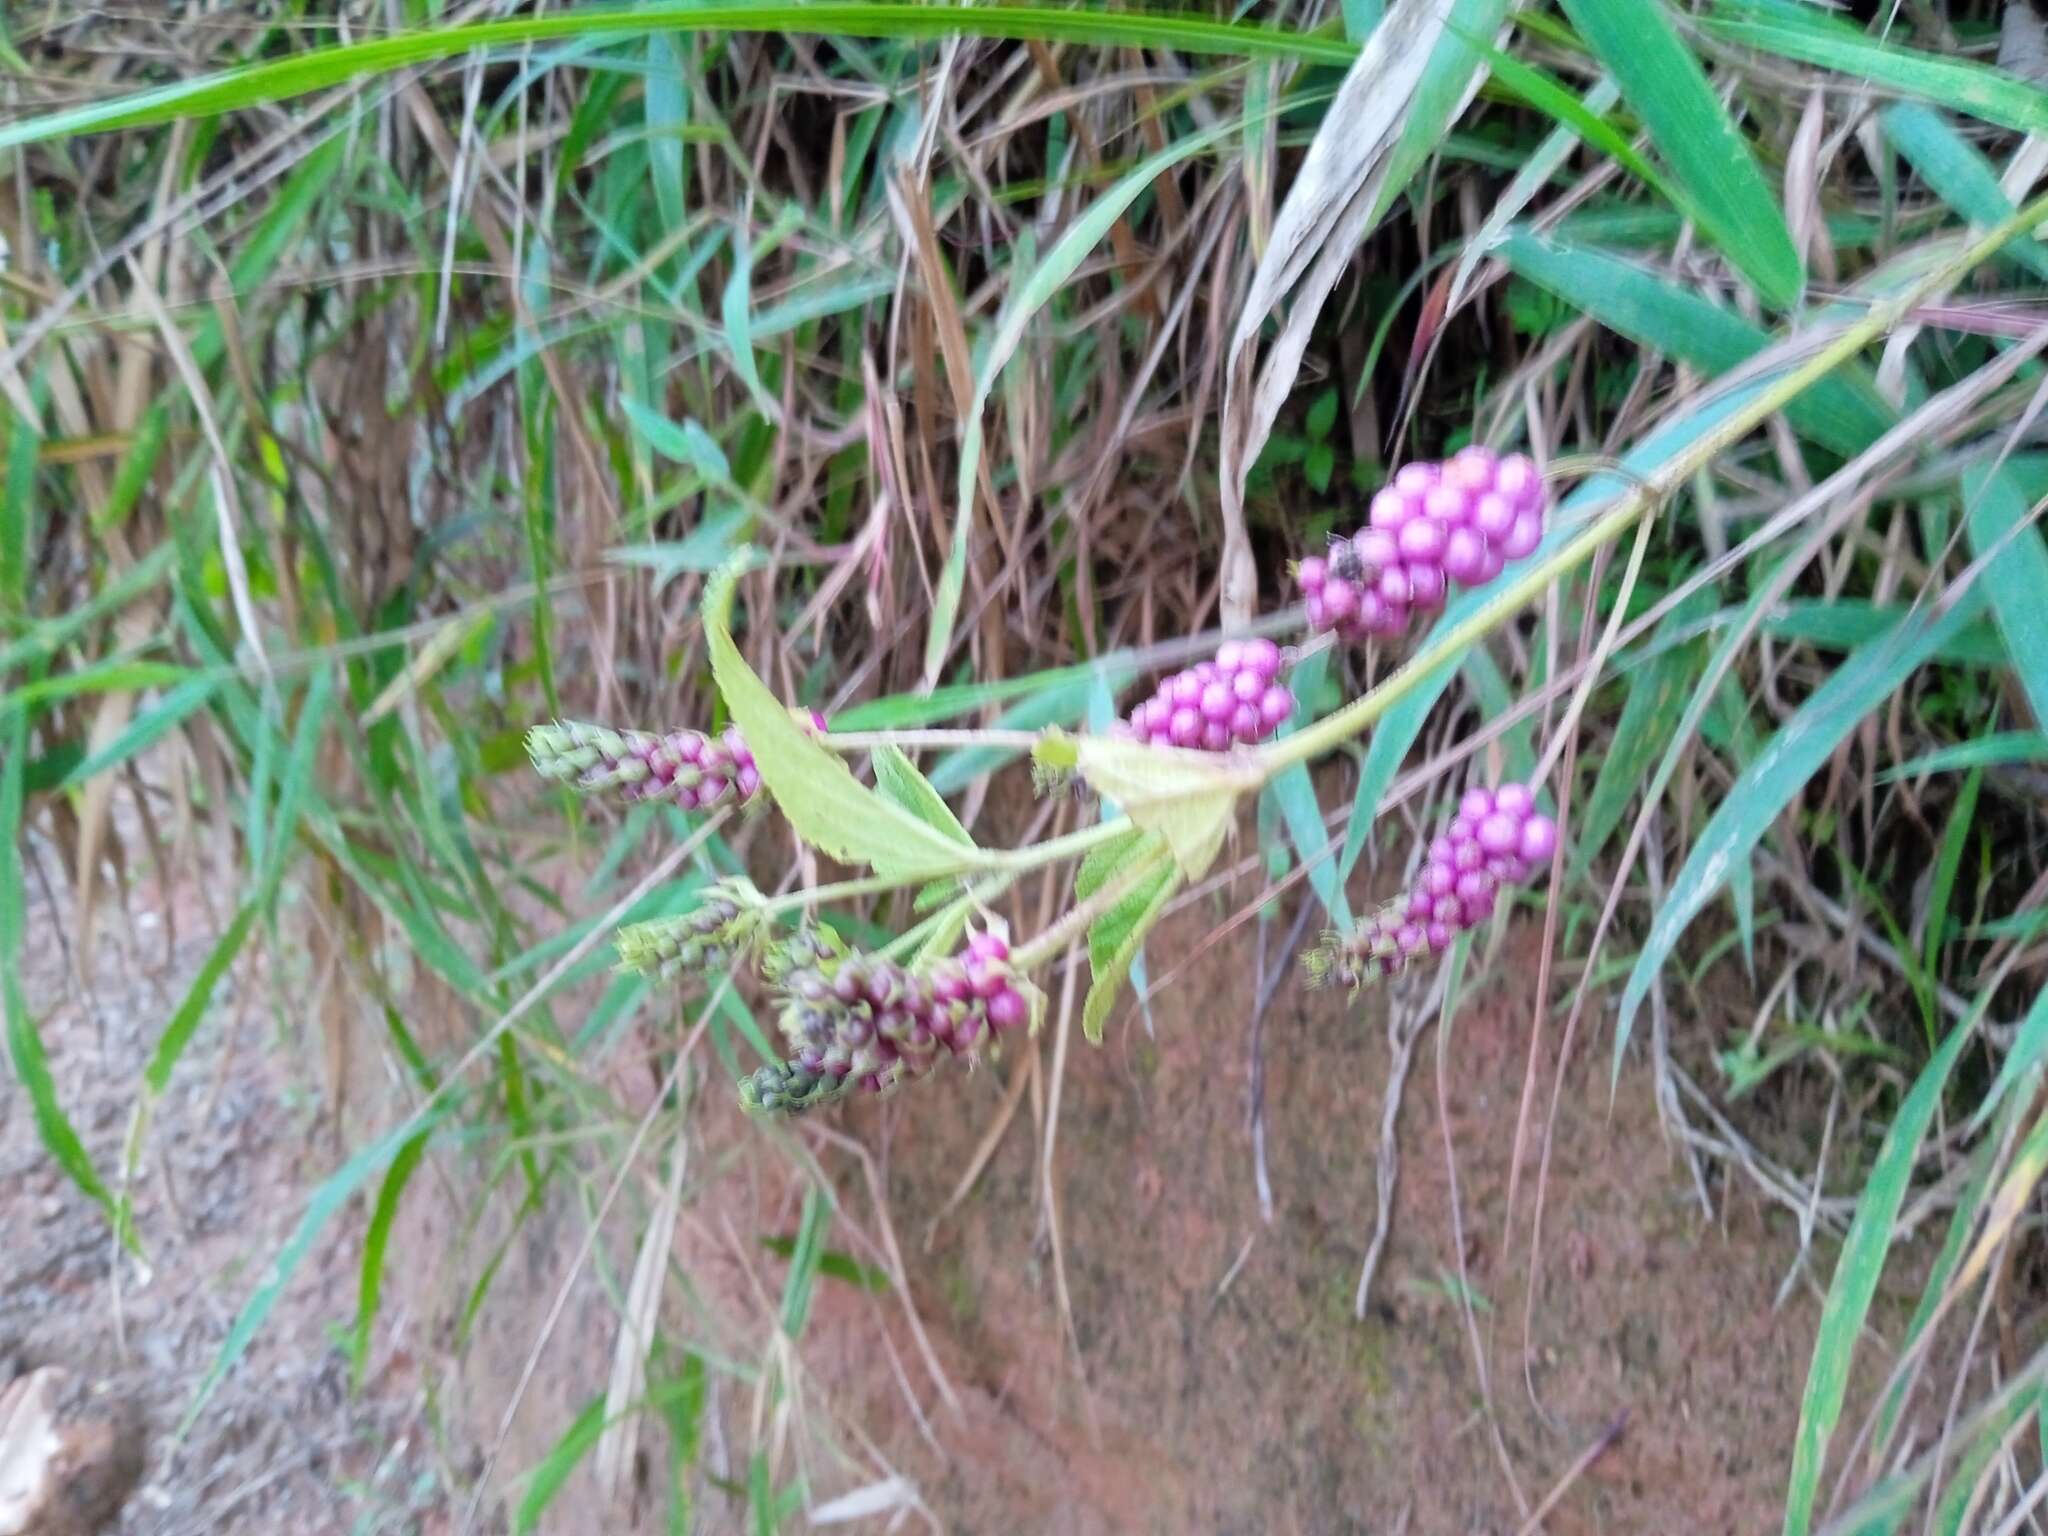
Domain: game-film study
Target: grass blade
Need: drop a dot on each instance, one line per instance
(1725, 192)
(2015, 577)
(1791, 757)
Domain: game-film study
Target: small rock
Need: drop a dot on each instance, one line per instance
(68, 1460)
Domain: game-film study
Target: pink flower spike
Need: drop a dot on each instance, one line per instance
(1519, 481)
(1523, 538)
(1375, 549)
(1464, 556)
(1426, 587)
(1275, 705)
(1447, 504)
(1492, 516)
(1415, 479)
(1500, 834)
(1422, 539)
(1007, 1009)
(1440, 936)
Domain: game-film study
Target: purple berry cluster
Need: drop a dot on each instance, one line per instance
(872, 1023)
(1433, 524)
(1237, 698)
(1496, 840)
(692, 769)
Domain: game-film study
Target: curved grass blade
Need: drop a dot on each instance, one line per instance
(1981, 752)
(1856, 1277)
(1026, 299)
(1976, 90)
(369, 1290)
(1724, 191)
(1791, 757)
(2015, 576)
(277, 80)
(24, 1042)
(1959, 175)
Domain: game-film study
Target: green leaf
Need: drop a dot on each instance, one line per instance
(146, 728)
(2029, 1046)
(317, 68)
(24, 1042)
(178, 1033)
(1982, 752)
(805, 1254)
(2016, 577)
(1791, 757)
(1856, 1276)
(553, 1471)
(1842, 412)
(1946, 865)
(817, 792)
(1027, 296)
(375, 1240)
(1649, 718)
(897, 778)
(1725, 192)
(1977, 90)
(1322, 415)
(1186, 797)
(1116, 937)
(1962, 177)
(684, 442)
(1294, 793)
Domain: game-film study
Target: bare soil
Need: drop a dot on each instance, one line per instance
(1215, 1379)
(230, 1154)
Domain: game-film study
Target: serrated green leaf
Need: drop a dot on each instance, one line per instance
(897, 778)
(1114, 941)
(1186, 797)
(1104, 861)
(826, 805)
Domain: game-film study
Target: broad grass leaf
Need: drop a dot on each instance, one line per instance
(1724, 191)
(1793, 755)
(1294, 793)
(1979, 752)
(1959, 175)
(317, 68)
(1962, 85)
(2002, 531)
(826, 805)
(376, 1239)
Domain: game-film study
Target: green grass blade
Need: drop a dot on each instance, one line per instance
(1856, 1277)
(376, 1239)
(1946, 865)
(2016, 577)
(1842, 412)
(1725, 192)
(178, 1033)
(547, 1478)
(1981, 752)
(1294, 793)
(1961, 85)
(1959, 175)
(316, 69)
(1767, 785)
(1027, 298)
(24, 1042)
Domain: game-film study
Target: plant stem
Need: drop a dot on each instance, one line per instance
(1638, 500)
(1079, 918)
(867, 741)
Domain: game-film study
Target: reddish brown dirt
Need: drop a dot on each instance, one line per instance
(1253, 1401)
